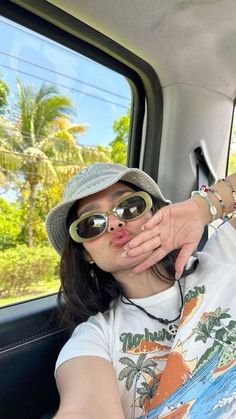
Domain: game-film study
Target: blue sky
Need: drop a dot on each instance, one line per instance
(100, 95)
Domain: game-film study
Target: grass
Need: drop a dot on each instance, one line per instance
(34, 292)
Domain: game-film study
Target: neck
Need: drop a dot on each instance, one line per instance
(144, 284)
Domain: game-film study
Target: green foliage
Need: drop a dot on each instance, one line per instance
(232, 163)
(23, 267)
(10, 224)
(46, 151)
(38, 109)
(47, 197)
(120, 143)
(4, 90)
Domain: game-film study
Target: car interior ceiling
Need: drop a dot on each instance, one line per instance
(164, 34)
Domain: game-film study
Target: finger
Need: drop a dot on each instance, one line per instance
(145, 247)
(155, 257)
(156, 218)
(141, 238)
(183, 258)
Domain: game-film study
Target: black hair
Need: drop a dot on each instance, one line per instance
(86, 289)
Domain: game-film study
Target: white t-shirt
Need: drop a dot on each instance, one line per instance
(186, 368)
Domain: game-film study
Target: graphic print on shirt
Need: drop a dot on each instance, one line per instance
(142, 376)
(172, 385)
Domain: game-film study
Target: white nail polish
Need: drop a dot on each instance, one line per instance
(124, 254)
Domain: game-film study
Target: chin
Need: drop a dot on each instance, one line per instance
(125, 264)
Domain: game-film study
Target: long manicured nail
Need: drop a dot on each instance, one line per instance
(177, 276)
(124, 254)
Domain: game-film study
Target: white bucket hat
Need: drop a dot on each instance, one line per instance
(88, 181)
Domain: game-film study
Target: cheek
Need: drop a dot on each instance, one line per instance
(93, 248)
(97, 251)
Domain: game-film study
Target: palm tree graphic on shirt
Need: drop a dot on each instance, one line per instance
(132, 373)
(147, 391)
(211, 327)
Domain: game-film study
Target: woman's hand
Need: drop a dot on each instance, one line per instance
(178, 226)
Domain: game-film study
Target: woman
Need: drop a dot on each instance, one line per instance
(147, 346)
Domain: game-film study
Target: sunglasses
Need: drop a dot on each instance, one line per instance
(92, 225)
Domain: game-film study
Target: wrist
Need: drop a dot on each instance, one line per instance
(208, 210)
(202, 209)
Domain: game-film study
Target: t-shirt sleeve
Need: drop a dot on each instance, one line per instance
(222, 245)
(88, 339)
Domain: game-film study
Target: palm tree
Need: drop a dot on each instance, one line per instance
(133, 372)
(9, 162)
(45, 149)
(75, 156)
(147, 391)
(4, 90)
(37, 110)
(208, 328)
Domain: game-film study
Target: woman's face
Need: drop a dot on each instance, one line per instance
(106, 250)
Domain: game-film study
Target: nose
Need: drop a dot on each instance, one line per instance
(114, 223)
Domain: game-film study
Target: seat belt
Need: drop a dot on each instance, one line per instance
(204, 177)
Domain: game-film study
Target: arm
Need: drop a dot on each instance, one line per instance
(180, 226)
(88, 389)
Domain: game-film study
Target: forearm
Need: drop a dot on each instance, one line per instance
(84, 415)
(227, 191)
(88, 396)
(71, 415)
(232, 180)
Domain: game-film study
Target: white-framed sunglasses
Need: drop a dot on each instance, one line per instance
(90, 226)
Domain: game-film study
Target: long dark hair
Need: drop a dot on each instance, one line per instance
(86, 289)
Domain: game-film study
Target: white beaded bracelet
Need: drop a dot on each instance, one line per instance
(212, 208)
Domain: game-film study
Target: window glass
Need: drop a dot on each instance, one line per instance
(59, 111)
(232, 153)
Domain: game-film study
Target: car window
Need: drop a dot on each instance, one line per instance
(59, 111)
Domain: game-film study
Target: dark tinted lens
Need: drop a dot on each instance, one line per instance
(91, 226)
(131, 207)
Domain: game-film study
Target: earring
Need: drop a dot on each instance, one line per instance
(91, 262)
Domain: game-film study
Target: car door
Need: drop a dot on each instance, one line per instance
(31, 330)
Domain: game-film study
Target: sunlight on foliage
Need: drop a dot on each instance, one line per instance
(39, 152)
(120, 144)
(232, 163)
(21, 267)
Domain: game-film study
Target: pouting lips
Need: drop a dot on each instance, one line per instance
(120, 237)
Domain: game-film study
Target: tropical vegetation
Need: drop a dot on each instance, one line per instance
(39, 151)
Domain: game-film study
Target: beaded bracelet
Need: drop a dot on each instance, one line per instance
(217, 195)
(233, 193)
(212, 208)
